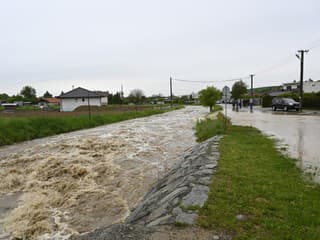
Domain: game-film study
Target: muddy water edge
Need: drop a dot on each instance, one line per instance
(76, 182)
(298, 135)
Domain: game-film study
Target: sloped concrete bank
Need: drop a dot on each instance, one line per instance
(171, 200)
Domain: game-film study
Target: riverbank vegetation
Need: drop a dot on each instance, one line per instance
(216, 124)
(24, 127)
(257, 193)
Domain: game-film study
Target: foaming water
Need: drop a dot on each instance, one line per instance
(77, 182)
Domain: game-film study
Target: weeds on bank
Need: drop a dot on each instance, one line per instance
(208, 128)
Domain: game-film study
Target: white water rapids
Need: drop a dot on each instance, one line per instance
(79, 181)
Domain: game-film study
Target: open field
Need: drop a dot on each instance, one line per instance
(264, 189)
(110, 109)
(27, 125)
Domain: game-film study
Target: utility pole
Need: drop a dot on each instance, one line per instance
(171, 99)
(251, 93)
(225, 107)
(301, 57)
(89, 108)
(121, 93)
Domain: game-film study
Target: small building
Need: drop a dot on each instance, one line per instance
(48, 102)
(9, 107)
(77, 97)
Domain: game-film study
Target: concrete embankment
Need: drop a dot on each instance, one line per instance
(170, 200)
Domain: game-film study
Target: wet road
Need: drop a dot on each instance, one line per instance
(299, 133)
(83, 180)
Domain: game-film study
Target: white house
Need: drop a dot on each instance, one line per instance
(311, 86)
(78, 97)
(293, 86)
(104, 97)
(308, 86)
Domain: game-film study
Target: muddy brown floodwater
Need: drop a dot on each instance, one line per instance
(299, 134)
(79, 181)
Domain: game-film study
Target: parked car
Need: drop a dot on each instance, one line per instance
(284, 104)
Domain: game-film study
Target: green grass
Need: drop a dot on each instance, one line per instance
(28, 107)
(18, 129)
(217, 108)
(254, 179)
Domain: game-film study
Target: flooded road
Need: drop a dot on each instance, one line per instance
(79, 181)
(299, 133)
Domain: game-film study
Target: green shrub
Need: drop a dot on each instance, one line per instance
(266, 101)
(208, 128)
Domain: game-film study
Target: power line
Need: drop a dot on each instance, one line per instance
(313, 44)
(274, 66)
(197, 81)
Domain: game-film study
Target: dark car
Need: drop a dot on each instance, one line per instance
(285, 104)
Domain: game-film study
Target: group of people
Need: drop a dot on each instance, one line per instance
(236, 104)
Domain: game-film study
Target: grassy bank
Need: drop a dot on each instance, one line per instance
(255, 180)
(18, 129)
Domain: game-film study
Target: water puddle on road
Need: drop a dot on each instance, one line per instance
(298, 135)
(77, 182)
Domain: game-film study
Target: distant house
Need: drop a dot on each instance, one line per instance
(48, 102)
(77, 97)
(308, 86)
(289, 87)
(311, 86)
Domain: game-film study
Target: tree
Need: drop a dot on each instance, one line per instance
(116, 98)
(209, 97)
(239, 88)
(4, 97)
(29, 93)
(15, 98)
(47, 95)
(136, 96)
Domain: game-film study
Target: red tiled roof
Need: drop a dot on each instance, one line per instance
(53, 100)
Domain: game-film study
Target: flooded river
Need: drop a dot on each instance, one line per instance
(79, 181)
(300, 134)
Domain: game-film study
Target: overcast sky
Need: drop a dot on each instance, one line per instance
(52, 45)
